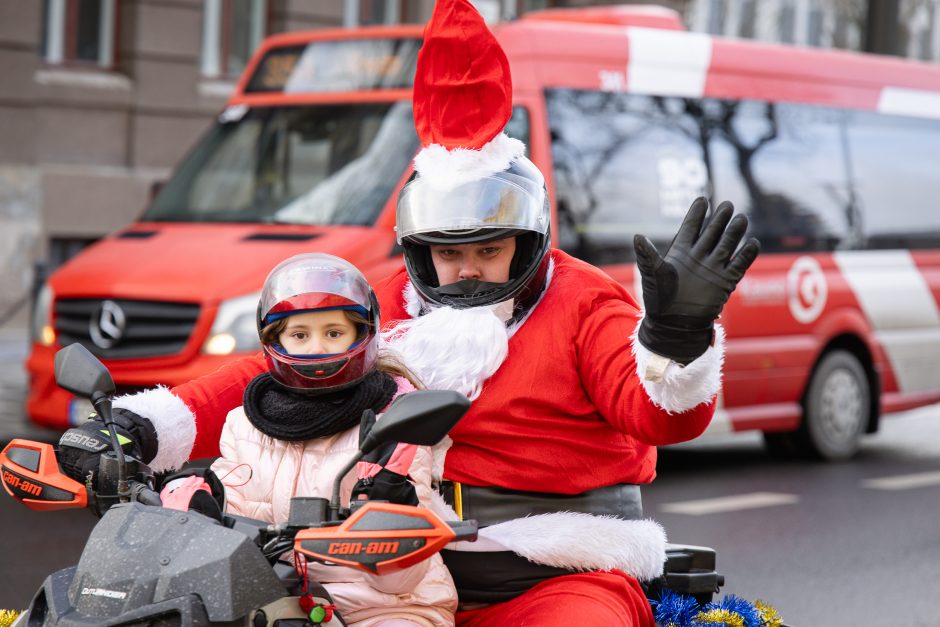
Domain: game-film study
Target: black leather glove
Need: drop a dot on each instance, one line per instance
(685, 291)
(80, 448)
(386, 485)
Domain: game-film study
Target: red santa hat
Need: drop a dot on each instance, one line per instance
(462, 99)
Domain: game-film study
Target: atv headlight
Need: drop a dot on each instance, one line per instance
(41, 330)
(235, 328)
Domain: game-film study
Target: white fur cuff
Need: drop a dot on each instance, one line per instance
(683, 387)
(174, 422)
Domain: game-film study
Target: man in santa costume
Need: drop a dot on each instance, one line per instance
(573, 386)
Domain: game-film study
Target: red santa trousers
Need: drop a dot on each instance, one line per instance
(611, 599)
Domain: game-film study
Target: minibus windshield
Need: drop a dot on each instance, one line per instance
(310, 164)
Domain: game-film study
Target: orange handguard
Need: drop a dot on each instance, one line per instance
(378, 538)
(31, 475)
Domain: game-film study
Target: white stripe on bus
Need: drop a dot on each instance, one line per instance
(897, 301)
(915, 102)
(667, 63)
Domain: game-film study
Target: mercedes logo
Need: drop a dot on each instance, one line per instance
(107, 324)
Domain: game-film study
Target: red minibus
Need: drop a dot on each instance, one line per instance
(832, 155)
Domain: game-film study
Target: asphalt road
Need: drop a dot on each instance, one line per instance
(829, 545)
(852, 544)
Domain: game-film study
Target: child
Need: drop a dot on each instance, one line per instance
(318, 321)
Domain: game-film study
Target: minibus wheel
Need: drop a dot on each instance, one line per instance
(835, 409)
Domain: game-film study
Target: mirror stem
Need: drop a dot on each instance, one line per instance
(102, 404)
(333, 507)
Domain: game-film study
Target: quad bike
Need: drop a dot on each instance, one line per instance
(148, 565)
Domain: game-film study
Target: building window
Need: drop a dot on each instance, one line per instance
(370, 12)
(79, 32)
(231, 30)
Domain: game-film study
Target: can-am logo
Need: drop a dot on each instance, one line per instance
(101, 592)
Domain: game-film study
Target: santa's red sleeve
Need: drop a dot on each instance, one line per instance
(189, 418)
(675, 409)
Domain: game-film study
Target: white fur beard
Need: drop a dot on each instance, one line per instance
(451, 349)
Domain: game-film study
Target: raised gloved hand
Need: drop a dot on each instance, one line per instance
(80, 448)
(376, 481)
(685, 291)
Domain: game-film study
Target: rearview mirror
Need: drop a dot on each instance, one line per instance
(80, 372)
(423, 418)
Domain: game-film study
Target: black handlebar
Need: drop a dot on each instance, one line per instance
(143, 494)
(464, 530)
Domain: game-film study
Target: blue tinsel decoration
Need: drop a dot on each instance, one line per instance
(675, 610)
(744, 609)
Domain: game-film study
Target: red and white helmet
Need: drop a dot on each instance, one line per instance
(311, 282)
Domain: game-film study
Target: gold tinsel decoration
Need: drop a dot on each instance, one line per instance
(768, 614)
(7, 617)
(721, 617)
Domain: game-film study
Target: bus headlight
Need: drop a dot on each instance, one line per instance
(235, 328)
(40, 330)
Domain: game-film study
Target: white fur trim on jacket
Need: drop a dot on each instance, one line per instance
(174, 422)
(684, 387)
(451, 349)
(446, 169)
(572, 540)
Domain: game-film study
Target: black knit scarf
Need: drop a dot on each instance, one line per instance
(286, 415)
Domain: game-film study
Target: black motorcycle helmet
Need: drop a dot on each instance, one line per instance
(510, 203)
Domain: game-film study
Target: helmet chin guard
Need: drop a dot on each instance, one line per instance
(512, 203)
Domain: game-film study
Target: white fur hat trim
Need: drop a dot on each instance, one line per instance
(446, 169)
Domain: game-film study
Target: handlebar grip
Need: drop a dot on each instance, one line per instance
(464, 530)
(142, 494)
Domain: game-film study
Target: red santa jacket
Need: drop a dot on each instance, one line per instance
(565, 412)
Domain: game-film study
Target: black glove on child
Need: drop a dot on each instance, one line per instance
(386, 485)
(80, 448)
(685, 291)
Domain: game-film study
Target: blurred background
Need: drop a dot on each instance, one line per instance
(100, 98)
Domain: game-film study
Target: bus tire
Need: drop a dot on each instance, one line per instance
(836, 407)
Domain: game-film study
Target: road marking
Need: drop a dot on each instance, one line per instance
(735, 503)
(904, 482)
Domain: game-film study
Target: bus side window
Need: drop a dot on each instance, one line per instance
(786, 167)
(623, 164)
(894, 166)
(518, 126)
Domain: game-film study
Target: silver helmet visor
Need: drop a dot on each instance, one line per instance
(499, 201)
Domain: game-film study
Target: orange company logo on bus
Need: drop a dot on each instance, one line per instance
(21, 484)
(356, 548)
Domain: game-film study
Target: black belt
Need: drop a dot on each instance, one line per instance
(489, 506)
(495, 577)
